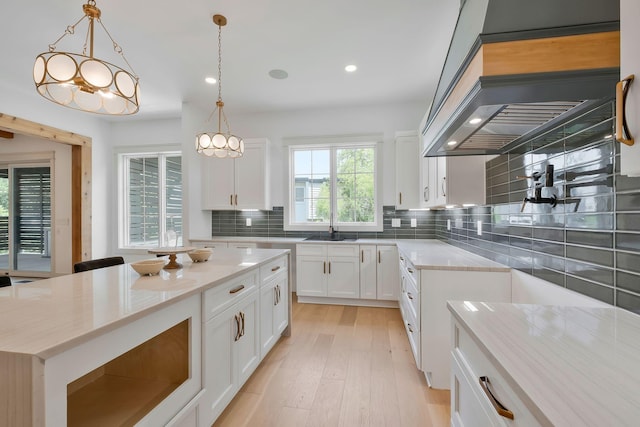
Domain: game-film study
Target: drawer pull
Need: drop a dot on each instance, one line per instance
(276, 268)
(409, 326)
(499, 407)
(242, 322)
(409, 295)
(410, 270)
(236, 289)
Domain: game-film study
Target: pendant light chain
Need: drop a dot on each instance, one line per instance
(219, 62)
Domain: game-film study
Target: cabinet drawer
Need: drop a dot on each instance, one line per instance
(474, 362)
(268, 271)
(407, 266)
(222, 296)
(411, 325)
(343, 250)
(467, 407)
(311, 249)
(239, 245)
(411, 301)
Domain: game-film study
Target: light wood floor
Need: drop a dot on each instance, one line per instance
(342, 366)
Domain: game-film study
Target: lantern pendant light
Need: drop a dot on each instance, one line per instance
(219, 144)
(83, 82)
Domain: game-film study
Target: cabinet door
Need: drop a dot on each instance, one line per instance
(407, 173)
(368, 278)
(466, 407)
(426, 186)
(250, 176)
(268, 300)
(219, 364)
(247, 347)
(281, 309)
(217, 183)
(311, 273)
(440, 180)
(388, 273)
(343, 277)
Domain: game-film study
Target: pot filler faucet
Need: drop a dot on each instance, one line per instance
(537, 188)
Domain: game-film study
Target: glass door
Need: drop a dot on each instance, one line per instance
(25, 219)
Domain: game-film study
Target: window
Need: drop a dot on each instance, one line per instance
(334, 184)
(150, 200)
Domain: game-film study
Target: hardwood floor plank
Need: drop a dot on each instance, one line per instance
(342, 366)
(325, 411)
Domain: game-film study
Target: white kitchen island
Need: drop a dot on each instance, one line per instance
(109, 347)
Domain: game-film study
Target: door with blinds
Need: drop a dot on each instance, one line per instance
(25, 219)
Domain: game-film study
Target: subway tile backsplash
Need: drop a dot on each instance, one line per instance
(271, 224)
(589, 242)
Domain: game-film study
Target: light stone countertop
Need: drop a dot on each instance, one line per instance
(577, 365)
(48, 316)
(424, 254)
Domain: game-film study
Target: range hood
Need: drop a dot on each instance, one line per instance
(516, 68)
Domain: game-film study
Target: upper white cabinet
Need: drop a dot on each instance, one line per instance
(241, 183)
(407, 170)
(630, 64)
(456, 180)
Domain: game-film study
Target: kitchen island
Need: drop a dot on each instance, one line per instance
(76, 348)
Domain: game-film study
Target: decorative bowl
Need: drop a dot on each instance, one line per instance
(200, 255)
(148, 267)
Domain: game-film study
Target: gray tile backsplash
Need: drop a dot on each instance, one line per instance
(589, 242)
(271, 224)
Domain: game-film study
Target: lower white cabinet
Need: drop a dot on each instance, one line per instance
(328, 270)
(274, 301)
(480, 395)
(379, 273)
(231, 353)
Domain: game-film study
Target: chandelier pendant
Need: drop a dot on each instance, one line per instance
(83, 82)
(219, 144)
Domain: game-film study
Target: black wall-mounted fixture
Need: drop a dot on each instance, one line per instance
(538, 186)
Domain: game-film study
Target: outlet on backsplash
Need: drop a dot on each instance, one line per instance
(395, 222)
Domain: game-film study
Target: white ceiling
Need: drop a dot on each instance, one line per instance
(399, 47)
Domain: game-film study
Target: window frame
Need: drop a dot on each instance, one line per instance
(122, 160)
(334, 146)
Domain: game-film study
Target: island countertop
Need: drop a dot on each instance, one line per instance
(45, 317)
(577, 365)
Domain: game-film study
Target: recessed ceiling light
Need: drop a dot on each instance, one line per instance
(608, 136)
(210, 80)
(278, 74)
(350, 68)
(475, 120)
(452, 143)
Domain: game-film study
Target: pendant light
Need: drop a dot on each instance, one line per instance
(83, 82)
(219, 144)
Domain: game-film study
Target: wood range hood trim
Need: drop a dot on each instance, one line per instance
(497, 72)
(80, 176)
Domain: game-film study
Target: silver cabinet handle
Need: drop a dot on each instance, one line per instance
(276, 268)
(410, 270)
(242, 321)
(499, 407)
(444, 178)
(409, 326)
(409, 295)
(425, 194)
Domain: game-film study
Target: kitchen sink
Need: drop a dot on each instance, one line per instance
(329, 238)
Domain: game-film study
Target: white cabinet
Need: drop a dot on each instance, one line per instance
(452, 181)
(242, 183)
(480, 394)
(436, 288)
(630, 64)
(231, 342)
(328, 270)
(242, 245)
(274, 302)
(379, 273)
(410, 305)
(407, 171)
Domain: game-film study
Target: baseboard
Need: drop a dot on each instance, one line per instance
(348, 301)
